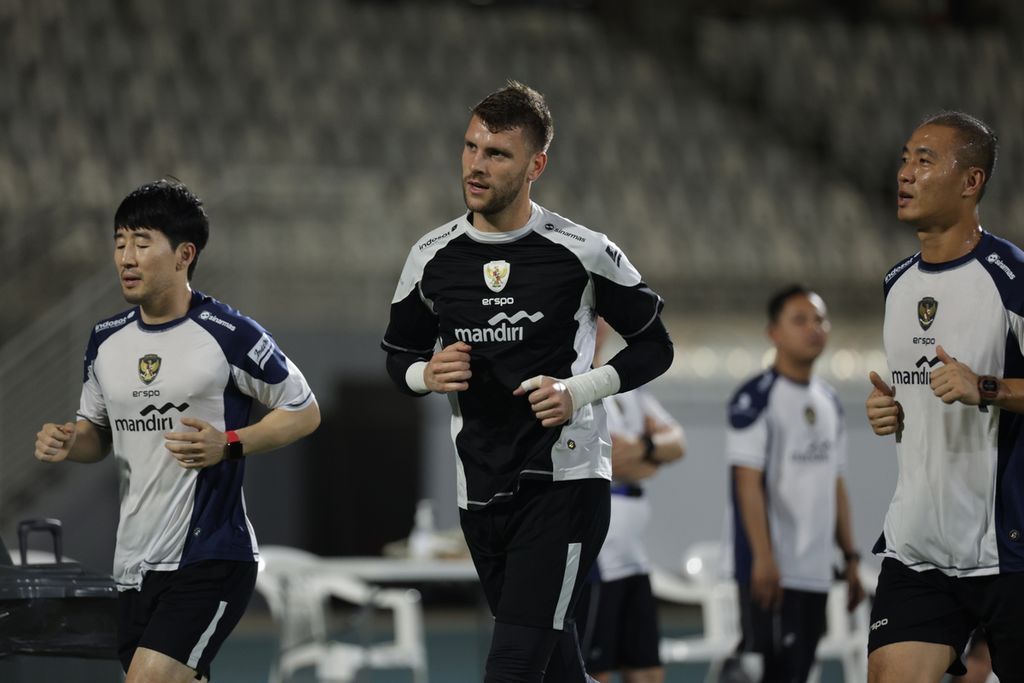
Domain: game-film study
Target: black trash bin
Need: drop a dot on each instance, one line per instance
(57, 621)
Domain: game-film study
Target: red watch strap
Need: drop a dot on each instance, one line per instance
(232, 436)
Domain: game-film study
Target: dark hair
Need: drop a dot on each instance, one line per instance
(518, 106)
(978, 142)
(170, 207)
(779, 299)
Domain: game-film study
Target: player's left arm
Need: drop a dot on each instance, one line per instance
(206, 446)
(955, 382)
(844, 539)
(647, 355)
(634, 311)
(261, 371)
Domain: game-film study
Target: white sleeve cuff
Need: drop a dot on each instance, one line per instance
(592, 385)
(414, 377)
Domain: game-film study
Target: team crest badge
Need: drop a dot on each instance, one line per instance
(809, 415)
(496, 275)
(926, 310)
(149, 366)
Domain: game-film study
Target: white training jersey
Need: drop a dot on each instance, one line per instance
(959, 500)
(624, 553)
(140, 380)
(794, 434)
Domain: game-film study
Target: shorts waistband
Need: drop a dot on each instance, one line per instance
(628, 490)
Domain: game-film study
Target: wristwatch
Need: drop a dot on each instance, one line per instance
(649, 450)
(988, 389)
(233, 449)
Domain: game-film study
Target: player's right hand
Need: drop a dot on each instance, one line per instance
(448, 369)
(765, 583)
(884, 412)
(54, 442)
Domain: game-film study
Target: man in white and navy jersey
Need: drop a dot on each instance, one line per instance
(168, 386)
(952, 538)
(786, 447)
(512, 290)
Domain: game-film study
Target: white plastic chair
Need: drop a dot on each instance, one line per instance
(701, 584)
(298, 586)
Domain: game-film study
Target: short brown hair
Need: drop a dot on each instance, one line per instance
(518, 106)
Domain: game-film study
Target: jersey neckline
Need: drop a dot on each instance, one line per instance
(504, 237)
(794, 382)
(197, 298)
(947, 265)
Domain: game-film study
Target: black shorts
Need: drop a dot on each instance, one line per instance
(618, 625)
(787, 638)
(931, 607)
(533, 552)
(185, 614)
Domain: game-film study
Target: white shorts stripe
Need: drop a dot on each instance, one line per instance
(572, 566)
(204, 640)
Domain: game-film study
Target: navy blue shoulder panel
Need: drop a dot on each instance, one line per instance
(1004, 262)
(245, 343)
(896, 271)
(750, 400)
(102, 331)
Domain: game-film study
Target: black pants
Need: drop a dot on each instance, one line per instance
(532, 554)
(787, 637)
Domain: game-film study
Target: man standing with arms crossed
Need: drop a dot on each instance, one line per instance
(954, 323)
(617, 616)
(168, 387)
(512, 292)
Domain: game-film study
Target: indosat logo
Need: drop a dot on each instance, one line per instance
(502, 328)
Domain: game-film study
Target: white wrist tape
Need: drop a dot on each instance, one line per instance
(592, 385)
(414, 377)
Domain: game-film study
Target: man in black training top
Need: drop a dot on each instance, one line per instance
(512, 291)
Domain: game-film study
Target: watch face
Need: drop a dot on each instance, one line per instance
(989, 385)
(234, 450)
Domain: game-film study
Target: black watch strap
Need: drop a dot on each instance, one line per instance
(988, 389)
(233, 449)
(649, 450)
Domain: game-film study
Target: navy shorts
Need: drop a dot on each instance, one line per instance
(932, 607)
(185, 614)
(618, 625)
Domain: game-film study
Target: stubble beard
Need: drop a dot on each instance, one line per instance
(501, 198)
